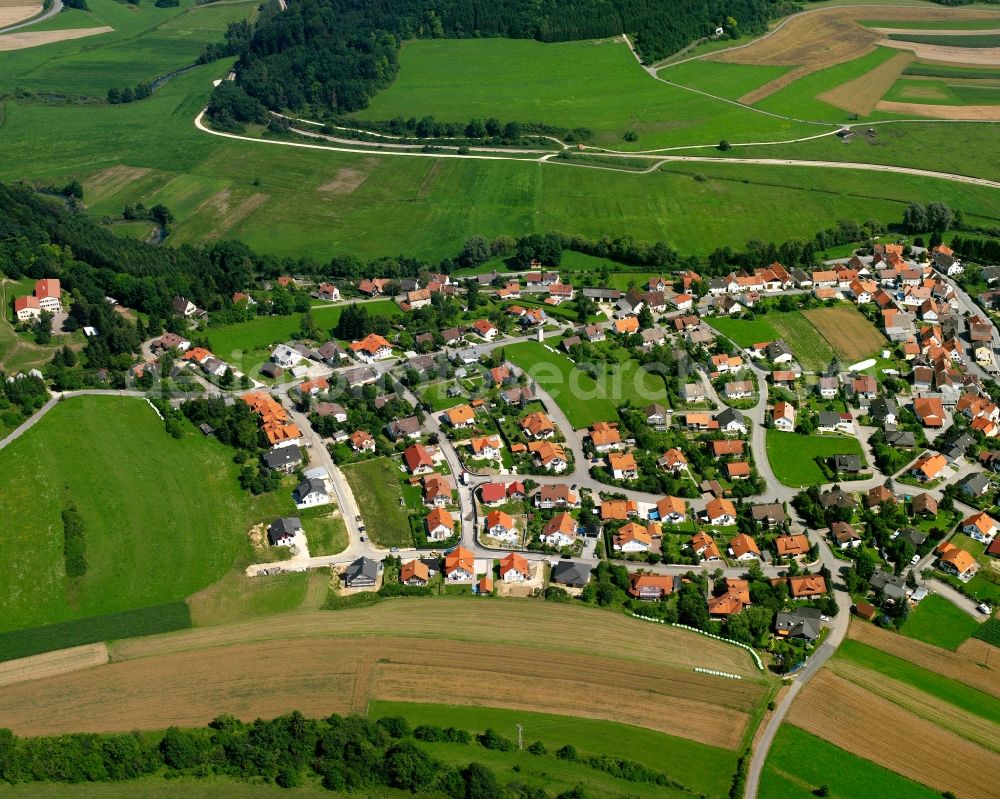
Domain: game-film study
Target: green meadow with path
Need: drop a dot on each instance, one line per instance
(163, 517)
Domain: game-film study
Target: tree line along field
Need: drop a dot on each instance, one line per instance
(163, 517)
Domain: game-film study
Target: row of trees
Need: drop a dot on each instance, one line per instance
(344, 753)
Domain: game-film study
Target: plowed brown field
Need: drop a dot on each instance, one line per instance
(853, 718)
(967, 665)
(516, 655)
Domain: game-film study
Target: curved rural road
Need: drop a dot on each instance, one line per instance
(661, 159)
(56, 7)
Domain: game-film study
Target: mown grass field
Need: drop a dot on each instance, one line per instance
(799, 763)
(943, 92)
(188, 787)
(592, 84)
(724, 80)
(582, 399)
(937, 621)
(164, 517)
(377, 491)
(793, 457)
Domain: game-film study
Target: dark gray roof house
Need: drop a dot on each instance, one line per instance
(913, 535)
(571, 573)
(892, 585)
(283, 530)
(774, 513)
(730, 417)
(883, 409)
(283, 459)
(799, 623)
(410, 426)
(363, 573)
(975, 485)
(902, 439)
(847, 463)
(837, 499)
(271, 370)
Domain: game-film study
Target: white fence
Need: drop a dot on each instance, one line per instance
(753, 654)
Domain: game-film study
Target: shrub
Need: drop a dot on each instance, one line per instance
(491, 739)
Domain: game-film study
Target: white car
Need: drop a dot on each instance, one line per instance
(983, 608)
(915, 560)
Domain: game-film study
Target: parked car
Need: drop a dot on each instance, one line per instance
(983, 608)
(914, 560)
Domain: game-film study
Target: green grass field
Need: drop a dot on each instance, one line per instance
(975, 41)
(799, 763)
(951, 71)
(722, 79)
(187, 787)
(164, 517)
(962, 696)
(377, 491)
(793, 457)
(745, 332)
(703, 768)
(937, 621)
(147, 42)
(943, 92)
(582, 399)
(592, 84)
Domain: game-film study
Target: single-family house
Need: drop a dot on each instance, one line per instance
(439, 525)
(623, 466)
(362, 573)
(559, 531)
(282, 532)
(743, 547)
(514, 568)
(459, 565)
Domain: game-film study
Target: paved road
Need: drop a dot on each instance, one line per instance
(56, 7)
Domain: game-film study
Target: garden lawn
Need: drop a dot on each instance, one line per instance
(248, 344)
(793, 457)
(799, 763)
(377, 491)
(164, 517)
(745, 332)
(582, 399)
(937, 621)
(704, 768)
(962, 696)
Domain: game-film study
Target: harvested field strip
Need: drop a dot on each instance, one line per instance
(323, 676)
(979, 56)
(973, 113)
(22, 41)
(850, 334)
(982, 731)
(50, 664)
(10, 14)
(962, 696)
(565, 629)
(861, 94)
(811, 350)
(856, 720)
(966, 666)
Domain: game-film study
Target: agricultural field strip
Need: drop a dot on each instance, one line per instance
(979, 730)
(964, 666)
(855, 719)
(716, 712)
(50, 664)
(606, 635)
